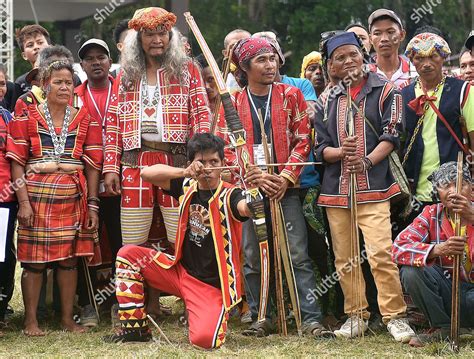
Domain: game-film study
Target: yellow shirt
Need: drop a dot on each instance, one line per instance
(431, 160)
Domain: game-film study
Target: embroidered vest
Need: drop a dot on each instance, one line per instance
(452, 100)
(226, 233)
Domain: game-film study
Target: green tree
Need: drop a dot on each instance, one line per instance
(297, 23)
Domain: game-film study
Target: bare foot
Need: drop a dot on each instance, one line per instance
(72, 326)
(157, 310)
(153, 309)
(32, 329)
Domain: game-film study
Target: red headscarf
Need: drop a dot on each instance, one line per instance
(249, 48)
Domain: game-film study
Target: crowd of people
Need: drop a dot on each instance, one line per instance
(141, 173)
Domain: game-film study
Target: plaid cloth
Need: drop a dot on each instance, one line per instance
(55, 236)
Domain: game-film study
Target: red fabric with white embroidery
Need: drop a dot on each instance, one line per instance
(431, 227)
(6, 194)
(185, 112)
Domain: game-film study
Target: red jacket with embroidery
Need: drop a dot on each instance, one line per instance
(6, 192)
(185, 112)
(431, 227)
(290, 127)
(31, 98)
(226, 233)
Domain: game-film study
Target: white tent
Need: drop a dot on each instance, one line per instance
(63, 10)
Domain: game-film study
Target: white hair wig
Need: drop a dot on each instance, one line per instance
(133, 63)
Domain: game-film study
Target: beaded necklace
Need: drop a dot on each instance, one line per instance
(156, 94)
(59, 141)
(422, 118)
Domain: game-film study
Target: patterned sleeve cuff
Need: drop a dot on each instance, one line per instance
(92, 163)
(14, 157)
(111, 169)
(289, 175)
(428, 262)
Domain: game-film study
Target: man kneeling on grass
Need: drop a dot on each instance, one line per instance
(425, 251)
(205, 270)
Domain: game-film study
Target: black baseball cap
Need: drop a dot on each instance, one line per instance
(470, 40)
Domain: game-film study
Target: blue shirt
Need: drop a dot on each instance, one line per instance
(303, 84)
(309, 176)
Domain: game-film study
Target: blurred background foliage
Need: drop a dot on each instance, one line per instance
(297, 23)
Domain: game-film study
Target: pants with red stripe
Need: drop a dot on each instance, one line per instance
(207, 317)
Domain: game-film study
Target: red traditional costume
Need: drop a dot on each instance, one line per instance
(182, 111)
(290, 127)
(33, 97)
(58, 200)
(207, 306)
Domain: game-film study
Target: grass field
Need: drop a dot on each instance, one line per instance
(58, 344)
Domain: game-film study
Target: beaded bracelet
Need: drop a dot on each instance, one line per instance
(93, 199)
(93, 207)
(367, 163)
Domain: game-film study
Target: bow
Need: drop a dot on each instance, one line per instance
(356, 275)
(418, 104)
(281, 251)
(237, 137)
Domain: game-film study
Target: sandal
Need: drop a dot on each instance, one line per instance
(317, 330)
(259, 329)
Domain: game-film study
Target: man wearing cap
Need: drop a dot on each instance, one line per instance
(386, 36)
(470, 41)
(425, 248)
(433, 106)
(377, 115)
(158, 102)
(286, 125)
(95, 94)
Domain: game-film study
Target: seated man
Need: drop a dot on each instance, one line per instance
(205, 270)
(425, 249)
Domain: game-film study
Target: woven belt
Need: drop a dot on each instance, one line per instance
(177, 151)
(155, 146)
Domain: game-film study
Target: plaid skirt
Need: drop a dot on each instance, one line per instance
(59, 229)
